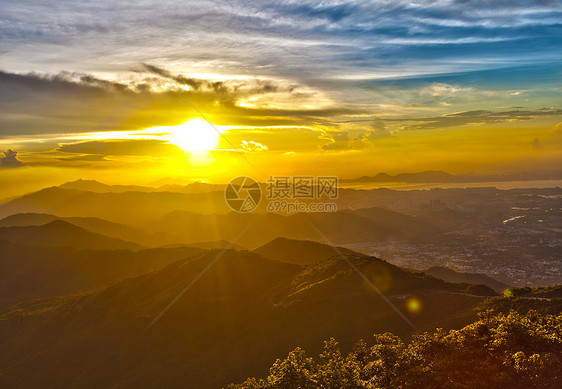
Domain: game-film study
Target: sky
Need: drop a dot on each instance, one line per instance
(131, 92)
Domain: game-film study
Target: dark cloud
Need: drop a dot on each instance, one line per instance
(194, 83)
(220, 87)
(139, 147)
(73, 103)
(10, 159)
(343, 141)
(84, 157)
(379, 130)
(476, 117)
(340, 141)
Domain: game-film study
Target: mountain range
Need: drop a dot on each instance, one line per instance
(129, 207)
(338, 227)
(439, 176)
(30, 272)
(215, 333)
(93, 224)
(160, 186)
(174, 218)
(117, 286)
(61, 233)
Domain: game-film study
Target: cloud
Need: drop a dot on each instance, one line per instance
(83, 157)
(477, 117)
(136, 147)
(279, 138)
(363, 140)
(339, 141)
(286, 39)
(73, 103)
(443, 89)
(379, 131)
(219, 87)
(250, 145)
(10, 159)
(343, 141)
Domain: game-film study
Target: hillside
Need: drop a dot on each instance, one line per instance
(300, 252)
(93, 224)
(395, 221)
(95, 186)
(502, 351)
(217, 244)
(60, 233)
(32, 272)
(242, 313)
(339, 227)
(471, 278)
(178, 214)
(158, 186)
(131, 207)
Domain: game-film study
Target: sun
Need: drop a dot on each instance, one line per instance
(194, 135)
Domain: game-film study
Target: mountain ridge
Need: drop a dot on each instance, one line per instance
(300, 252)
(60, 233)
(30, 272)
(451, 275)
(240, 303)
(93, 224)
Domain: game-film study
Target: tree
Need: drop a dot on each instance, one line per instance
(514, 350)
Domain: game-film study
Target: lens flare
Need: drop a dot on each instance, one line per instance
(414, 304)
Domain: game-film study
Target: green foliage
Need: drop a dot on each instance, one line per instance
(544, 292)
(499, 350)
(506, 304)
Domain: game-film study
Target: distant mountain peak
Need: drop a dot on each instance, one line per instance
(61, 233)
(425, 176)
(81, 180)
(62, 224)
(302, 252)
(83, 184)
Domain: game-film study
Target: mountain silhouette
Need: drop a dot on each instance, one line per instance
(423, 177)
(130, 207)
(96, 186)
(338, 227)
(396, 223)
(158, 186)
(300, 252)
(450, 275)
(32, 272)
(216, 244)
(93, 224)
(61, 233)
